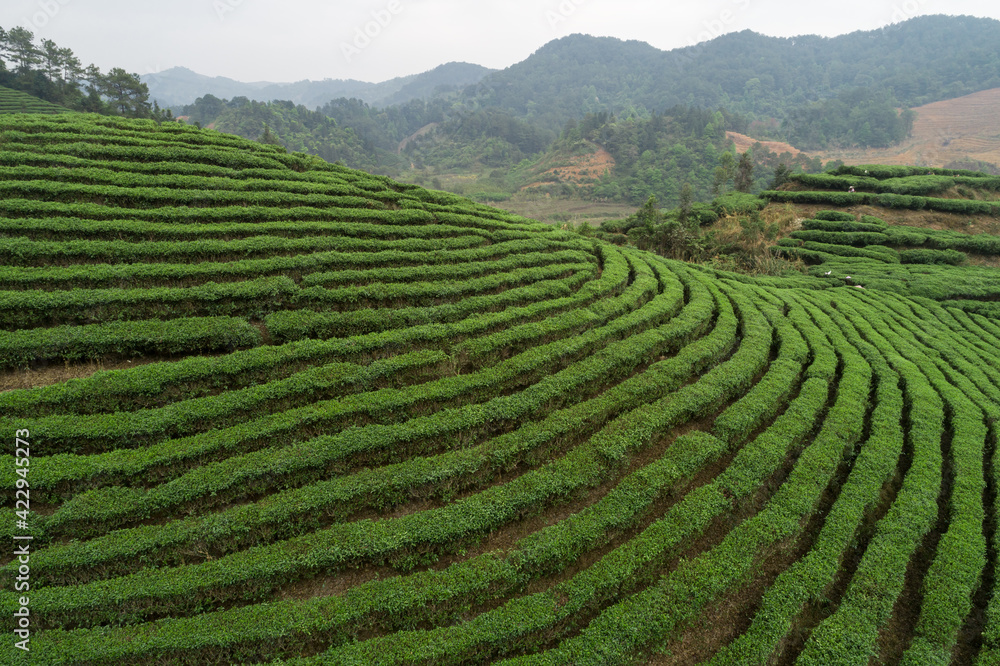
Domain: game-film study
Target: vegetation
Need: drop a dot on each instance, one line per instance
(15, 101)
(807, 78)
(55, 75)
(956, 191)
(652, 156)
(862, 117)
(661, 116)
(370, 422)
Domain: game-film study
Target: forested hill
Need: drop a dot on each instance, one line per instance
(525, 125)
(813, 92)
(750, 73)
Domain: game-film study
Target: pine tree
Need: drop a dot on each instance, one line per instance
(687, 203)
(743, 181)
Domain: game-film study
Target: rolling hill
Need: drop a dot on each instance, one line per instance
(373, 423)
(955, 130)
(749, 73)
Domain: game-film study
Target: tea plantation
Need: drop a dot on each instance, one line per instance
(370, 423)
(15, 101)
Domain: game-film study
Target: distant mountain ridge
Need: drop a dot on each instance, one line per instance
(749, 73)
(179, 86)
(665, 117)
(744, 72)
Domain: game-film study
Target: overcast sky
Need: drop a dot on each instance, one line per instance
(375, 40)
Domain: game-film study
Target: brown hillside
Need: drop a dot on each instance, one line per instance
(956, 129)
(577, 169)
(744, 143)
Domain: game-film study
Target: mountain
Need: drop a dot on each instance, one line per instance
(748, 72)
(663, 116)
(179, 86)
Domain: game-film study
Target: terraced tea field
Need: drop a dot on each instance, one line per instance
(15, 101)
(375, 424)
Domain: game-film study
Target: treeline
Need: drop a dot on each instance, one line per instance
(684, 147)
(344, 130)
(293, 126)
(379, 140)
(806, 80)
(655, 154)
(56, 75)
(862, 117)
(478, 140)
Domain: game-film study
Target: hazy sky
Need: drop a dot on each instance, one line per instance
(375, 40)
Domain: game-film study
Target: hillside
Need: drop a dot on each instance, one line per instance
(587, 164)
(815, 93)
(754, 74)
(955, 130)
(743, 143)
(15, 101)
(373, 423)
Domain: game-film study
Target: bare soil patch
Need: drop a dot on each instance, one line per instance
(951, 130)
(579, 169)
(744, 143)
(27, 378)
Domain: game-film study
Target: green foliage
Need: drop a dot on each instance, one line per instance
(913, 184)
(835, 216)
(190, 335)
(752, 74)
(53, 74)
(743, 180)
(864, 117)
(296, 128)
(855, 238)
(846, 199)
(737, 203)
(15, 101)
(951, 257)
(500, 440)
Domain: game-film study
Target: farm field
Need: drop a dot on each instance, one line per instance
(15, 101)
(370, 423)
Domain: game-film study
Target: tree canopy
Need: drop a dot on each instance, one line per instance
(56, 75)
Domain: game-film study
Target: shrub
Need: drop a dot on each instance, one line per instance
(953, 257)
